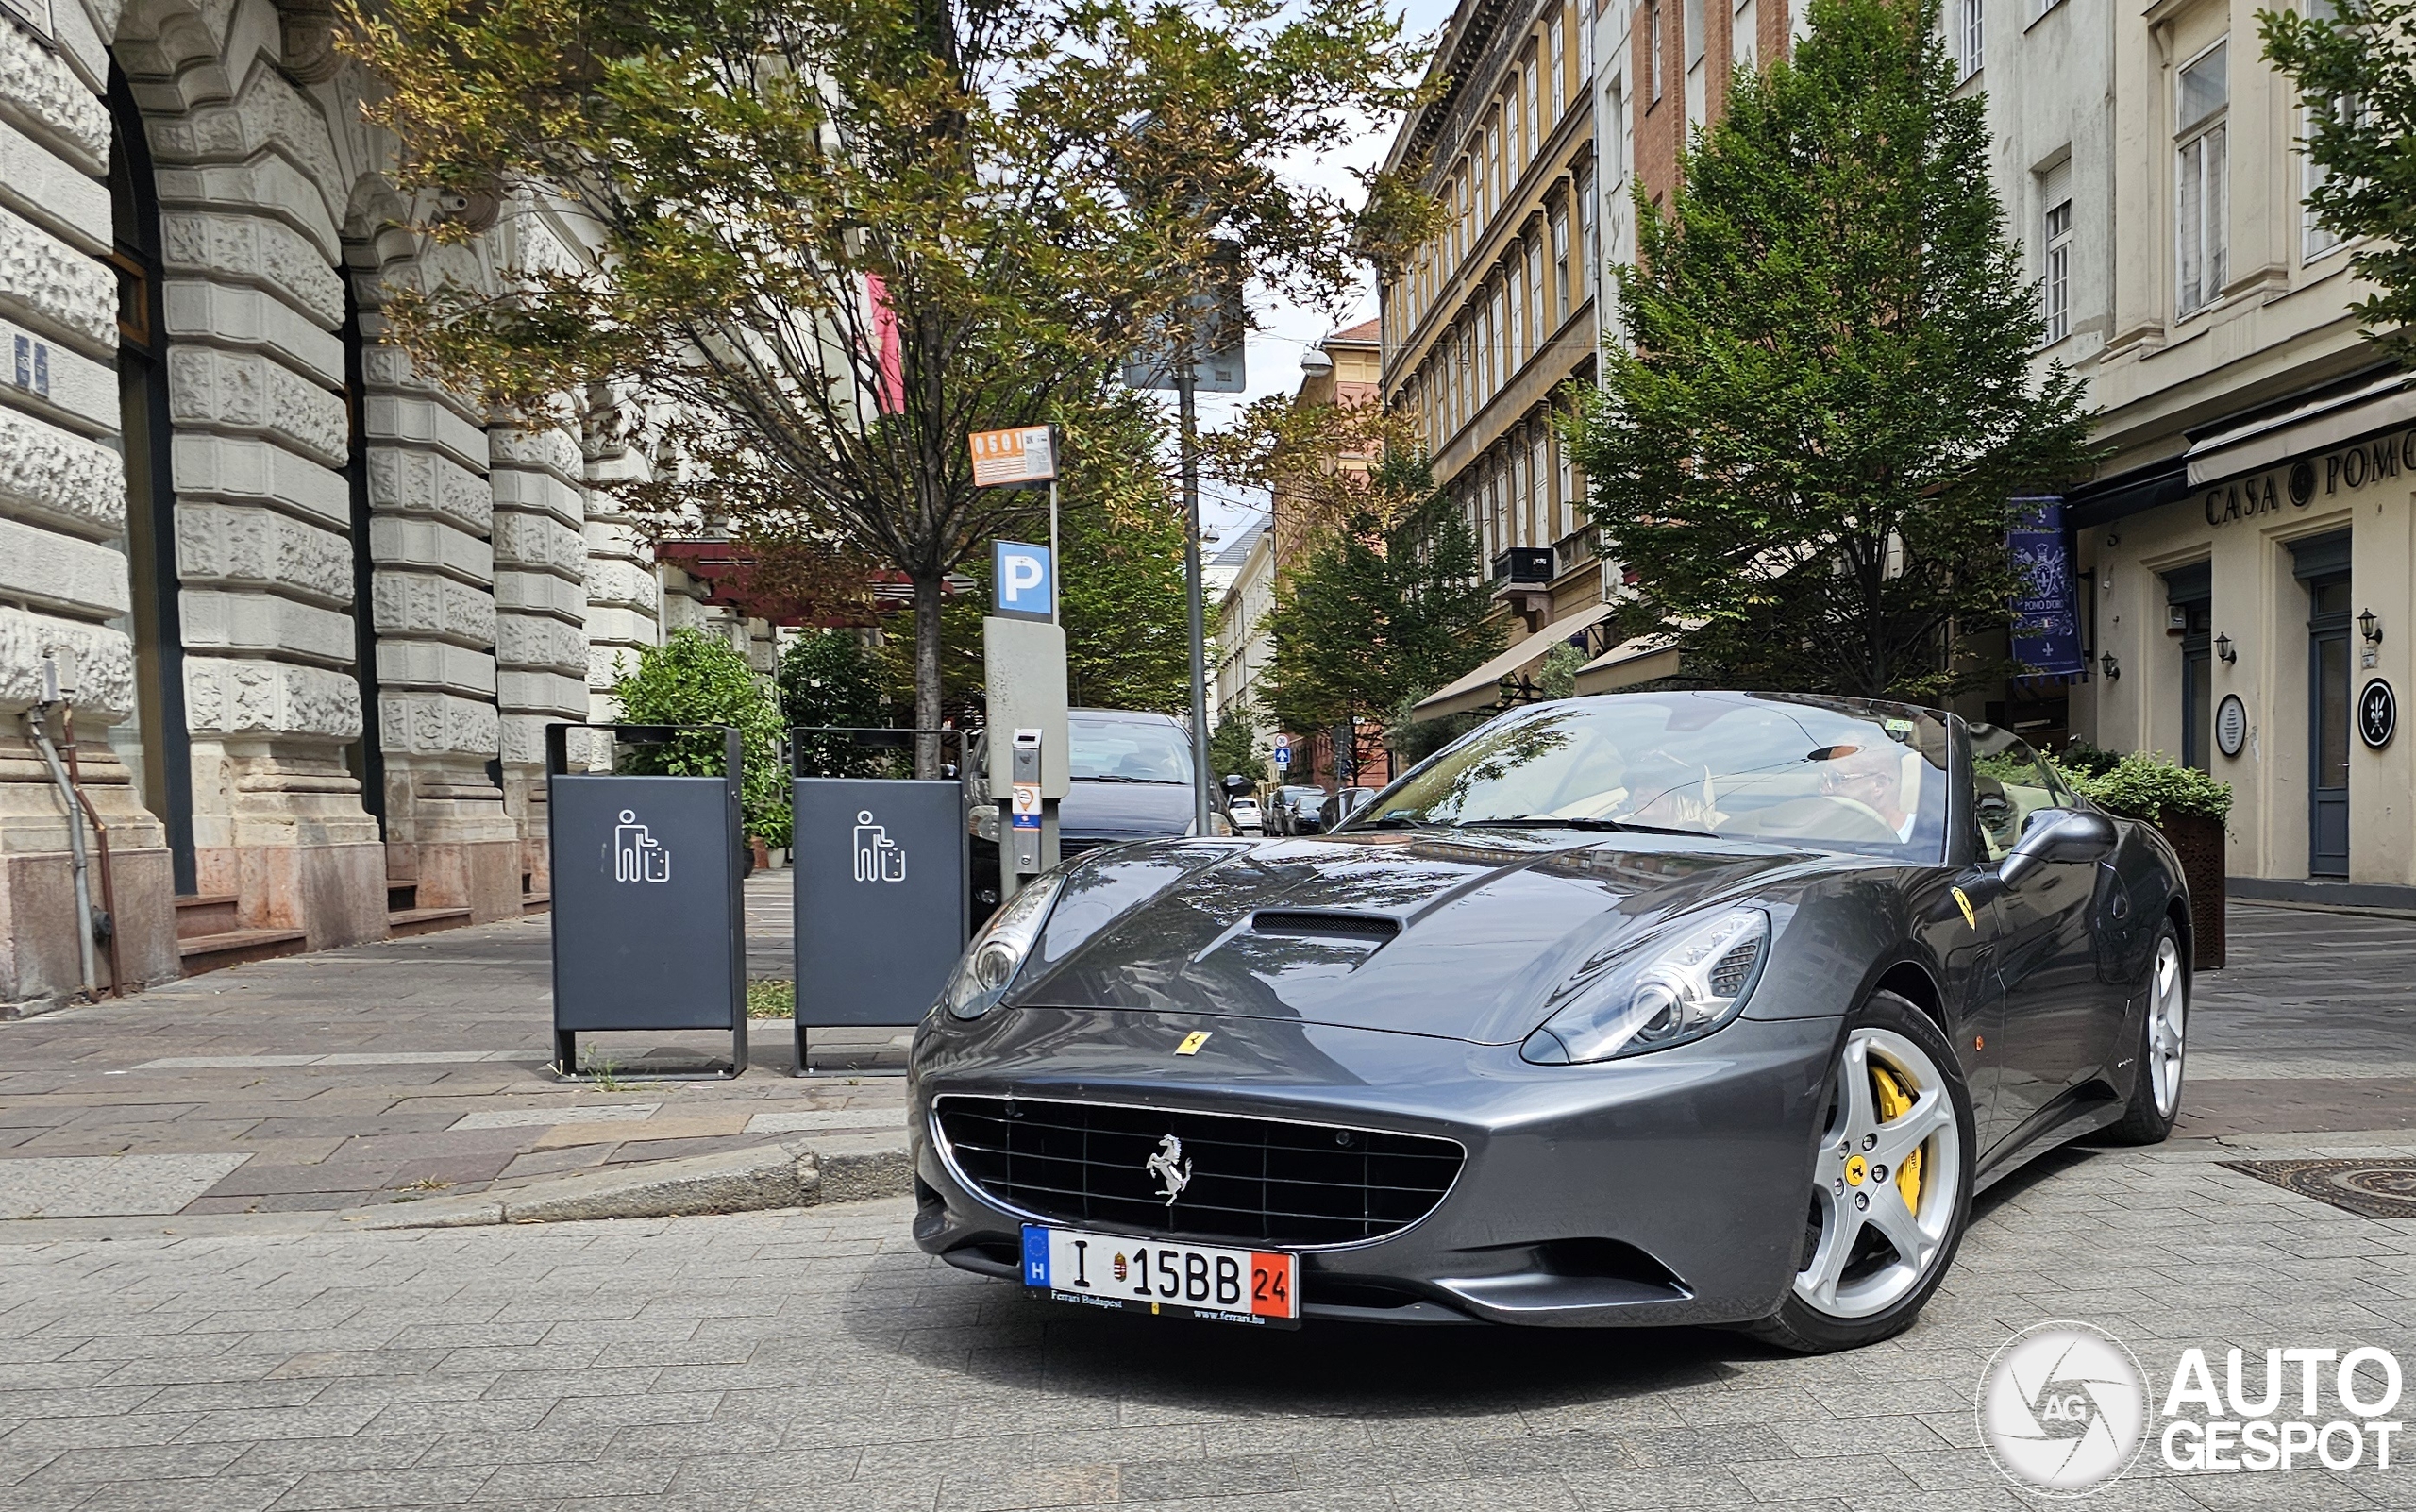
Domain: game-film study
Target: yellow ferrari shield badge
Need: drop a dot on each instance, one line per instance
(1192, 1042)
(1965, 904)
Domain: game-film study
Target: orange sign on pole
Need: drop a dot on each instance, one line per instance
(1024, 455)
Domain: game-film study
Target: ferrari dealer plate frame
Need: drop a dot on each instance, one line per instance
(1162, 1277)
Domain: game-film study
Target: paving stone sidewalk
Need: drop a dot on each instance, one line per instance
(814, 1361)
(376, 1074)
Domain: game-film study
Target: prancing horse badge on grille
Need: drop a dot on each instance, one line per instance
(1169, 1167)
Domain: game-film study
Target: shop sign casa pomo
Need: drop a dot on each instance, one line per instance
(2342, 470)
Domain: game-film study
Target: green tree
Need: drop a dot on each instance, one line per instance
(821, 241)
(2356, 70)
(1120, 586)
(1809, 456)
(1379, 616)
(696, 678)
(827, 678)
(1232, 745)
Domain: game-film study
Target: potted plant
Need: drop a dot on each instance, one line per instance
(2189, 807)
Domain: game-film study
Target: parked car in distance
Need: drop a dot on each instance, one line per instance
(1129, 779)
(1296, 810)
(1246, 814)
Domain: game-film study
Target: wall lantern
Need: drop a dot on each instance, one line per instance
(2370, 626)
(2113, 669)
(2223, 650)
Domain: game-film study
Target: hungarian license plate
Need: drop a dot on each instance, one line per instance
(1259, 1287)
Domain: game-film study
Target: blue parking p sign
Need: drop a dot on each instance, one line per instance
(1023, 580)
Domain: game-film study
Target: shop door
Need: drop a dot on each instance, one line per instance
(2328, 712)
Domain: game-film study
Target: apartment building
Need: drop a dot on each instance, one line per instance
(2245, 555)
(1485, 323)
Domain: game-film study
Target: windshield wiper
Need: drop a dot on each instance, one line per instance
(1151, 781)
(1546, 821)
(1395, 821)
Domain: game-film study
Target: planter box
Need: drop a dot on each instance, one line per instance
(2199, 842)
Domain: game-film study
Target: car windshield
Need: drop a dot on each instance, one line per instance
(1830, 773)
(1127, 750)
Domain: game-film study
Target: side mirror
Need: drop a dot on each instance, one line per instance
(2060, 835)
(1237, 784)
(1353, 802)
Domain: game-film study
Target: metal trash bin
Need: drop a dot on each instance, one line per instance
(880, 895)
(648, 920)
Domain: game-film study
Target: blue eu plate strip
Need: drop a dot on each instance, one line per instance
(1035, 1256)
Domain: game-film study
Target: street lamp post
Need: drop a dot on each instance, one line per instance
(1189, 425)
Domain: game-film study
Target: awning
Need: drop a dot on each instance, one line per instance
(1641, 659)
(2315, 425)
(1481, 689)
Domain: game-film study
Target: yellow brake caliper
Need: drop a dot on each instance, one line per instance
(1894, 1103)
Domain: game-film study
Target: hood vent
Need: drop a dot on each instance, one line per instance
(1300, 924)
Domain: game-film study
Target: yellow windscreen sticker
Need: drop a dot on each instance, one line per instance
(1198, 1037)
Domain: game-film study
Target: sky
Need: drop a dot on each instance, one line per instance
(1273, 357)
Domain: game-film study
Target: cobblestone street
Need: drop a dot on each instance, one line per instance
(813, 1359)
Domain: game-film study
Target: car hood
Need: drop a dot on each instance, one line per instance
(1124, 811)
(1416, 932)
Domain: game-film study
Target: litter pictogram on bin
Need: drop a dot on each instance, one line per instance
(878, 859)
(637, 855)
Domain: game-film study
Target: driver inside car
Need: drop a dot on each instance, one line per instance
(1870, 778)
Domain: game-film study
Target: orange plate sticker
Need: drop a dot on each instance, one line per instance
(1273, 1285)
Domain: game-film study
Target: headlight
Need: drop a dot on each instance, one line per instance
(1218, 826)
(1664, 993)
(985, 822)
(997, 952)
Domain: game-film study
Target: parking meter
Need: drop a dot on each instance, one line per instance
(1024, 834)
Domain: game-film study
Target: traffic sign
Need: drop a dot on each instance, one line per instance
(1282, 755)
(1022, 580)
(1005, 458)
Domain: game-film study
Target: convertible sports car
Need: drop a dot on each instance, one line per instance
(1650, 1009)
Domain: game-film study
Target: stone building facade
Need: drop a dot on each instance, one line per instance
(314, 610)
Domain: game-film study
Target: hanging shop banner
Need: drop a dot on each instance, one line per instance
(2046, 612)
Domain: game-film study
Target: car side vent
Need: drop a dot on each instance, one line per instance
(1374, 929)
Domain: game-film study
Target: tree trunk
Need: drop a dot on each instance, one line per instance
(927, 672)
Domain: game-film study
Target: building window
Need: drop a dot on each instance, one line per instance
(1691, 17)
(1517, 137)
(2055, 289)
(1744, 31)
(1535, 290)
(1591, 243)
(2320, 237)
(1560, 265)
(1613, 134)
(1518, 311)
(1492, 168)
(2199, 199)
(1539, 469)
(1559, 72)
(1659, 48)
(1535, 116)
(1968, 49)
(1586, 40)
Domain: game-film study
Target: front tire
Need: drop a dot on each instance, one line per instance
(2156, 1088)
(1891, 1184)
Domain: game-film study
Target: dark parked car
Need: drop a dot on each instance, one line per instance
(1130, 780)
(1295, 810)
(1661, 1008)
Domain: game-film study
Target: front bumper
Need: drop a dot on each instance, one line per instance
(1666, 1189)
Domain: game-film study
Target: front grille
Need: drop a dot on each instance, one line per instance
(1252, 1181)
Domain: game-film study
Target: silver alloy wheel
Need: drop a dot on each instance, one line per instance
(2168, 1013)
(1856, 1191)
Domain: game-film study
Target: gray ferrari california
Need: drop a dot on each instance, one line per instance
(1660, 1008)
